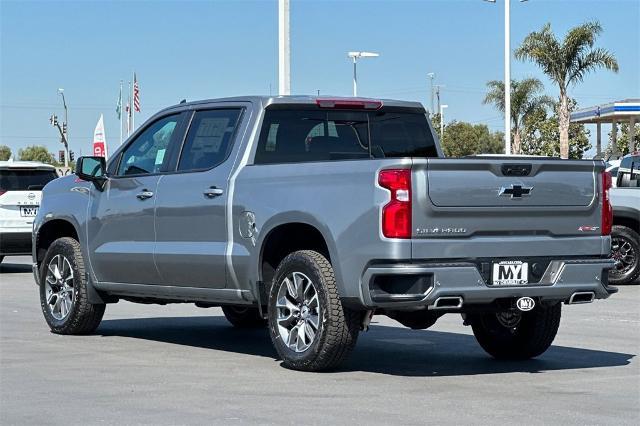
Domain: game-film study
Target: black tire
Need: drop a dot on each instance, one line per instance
(83, 317)
(244, 316)
(625, 246)
(338, 328)
(530, 337)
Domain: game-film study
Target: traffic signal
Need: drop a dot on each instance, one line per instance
(71, 156)
(61, 156)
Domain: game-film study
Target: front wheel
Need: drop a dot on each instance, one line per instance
(517, 335)
(309, 327)
(63, 290)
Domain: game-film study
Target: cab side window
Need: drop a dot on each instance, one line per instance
(146, 154)
(209, 139)
(629, 173)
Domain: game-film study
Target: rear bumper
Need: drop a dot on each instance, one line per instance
(15, 243)
(422, 284)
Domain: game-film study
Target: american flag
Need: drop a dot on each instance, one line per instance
(136, 94)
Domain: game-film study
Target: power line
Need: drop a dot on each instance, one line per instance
(77, 107)
(41, 137)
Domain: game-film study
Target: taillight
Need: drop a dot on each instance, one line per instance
(607, 210)
(396, 214)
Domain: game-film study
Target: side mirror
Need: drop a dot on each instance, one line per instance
(92, 169)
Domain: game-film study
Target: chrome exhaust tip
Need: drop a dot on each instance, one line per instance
(447, 302)
(581, 297)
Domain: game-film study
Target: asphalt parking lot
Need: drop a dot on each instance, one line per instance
(179, 364)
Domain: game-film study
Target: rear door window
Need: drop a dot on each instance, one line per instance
(303, 135)
(209, 139)
(25, 180)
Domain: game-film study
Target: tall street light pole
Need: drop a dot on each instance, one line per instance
(431, 76)
(442, 108)
(507, 77)
(284, 49)
(355, 56)
(507, 74)
(65, 129)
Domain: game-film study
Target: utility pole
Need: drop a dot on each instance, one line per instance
(431, 76)
(284, 49)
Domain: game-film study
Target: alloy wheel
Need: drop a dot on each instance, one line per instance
(298, 311)
(59, 287)
(623, 254)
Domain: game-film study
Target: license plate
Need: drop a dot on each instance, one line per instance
(28, 211)
(510, 272)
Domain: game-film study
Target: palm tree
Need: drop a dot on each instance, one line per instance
(525, 100)
(566, 63)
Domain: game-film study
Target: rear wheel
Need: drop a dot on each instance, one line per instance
(625, 251)
(244, 316)
(309, 327)
(515, 334)
(63, 290)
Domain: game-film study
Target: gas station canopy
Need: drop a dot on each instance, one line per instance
(626, 111)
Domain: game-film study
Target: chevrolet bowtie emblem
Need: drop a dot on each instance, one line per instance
(515, 191)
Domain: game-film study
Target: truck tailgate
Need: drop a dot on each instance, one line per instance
(493, 197)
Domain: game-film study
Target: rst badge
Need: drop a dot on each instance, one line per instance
(510, 272)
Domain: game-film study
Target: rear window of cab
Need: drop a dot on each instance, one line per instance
(304, 135)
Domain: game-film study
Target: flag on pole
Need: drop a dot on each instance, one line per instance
(136, 93)
(99, 140)
(128, 111)
(119, 104)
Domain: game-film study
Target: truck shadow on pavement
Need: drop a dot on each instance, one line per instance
(384, 349)
(14, 268)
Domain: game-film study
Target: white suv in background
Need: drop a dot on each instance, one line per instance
(21, 184)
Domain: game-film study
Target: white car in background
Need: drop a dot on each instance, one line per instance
(612, 167)
(21, 184)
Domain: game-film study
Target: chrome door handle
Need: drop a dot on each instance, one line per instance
(144, 195)
(213, 192)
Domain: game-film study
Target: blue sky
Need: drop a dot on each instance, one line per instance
(208, 49)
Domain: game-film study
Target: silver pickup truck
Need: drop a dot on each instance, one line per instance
(625, 234)
(310, 215)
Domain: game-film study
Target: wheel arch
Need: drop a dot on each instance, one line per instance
(628, 218)
(50, 231)
(283, 238)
